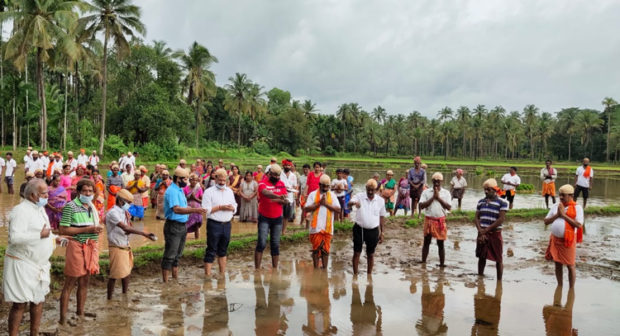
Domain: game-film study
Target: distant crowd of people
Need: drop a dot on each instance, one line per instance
(68, 202)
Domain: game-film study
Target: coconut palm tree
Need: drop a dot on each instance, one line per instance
(566, 121)
(462, 116)
(546, 124)
(199, 80)
(589, 121)
(117, 20)
(237, 100)
(610, 104)
(379, 114)
(530, 115)
(40, 25)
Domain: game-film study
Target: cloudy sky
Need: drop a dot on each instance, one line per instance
(407, 55)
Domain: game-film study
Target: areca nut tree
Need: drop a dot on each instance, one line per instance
(40, 25)
(200, 81)
(115, 19)
(609, 103)
(237, 100)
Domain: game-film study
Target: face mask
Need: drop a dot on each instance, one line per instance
(42, 202)
(86, 199)
(274, 180)
(286, 170)
(126, 206)
(219, 186)
(182, 184)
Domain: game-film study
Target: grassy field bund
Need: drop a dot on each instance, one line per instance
(147, 258)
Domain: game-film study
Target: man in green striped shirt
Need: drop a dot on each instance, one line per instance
(80, 220)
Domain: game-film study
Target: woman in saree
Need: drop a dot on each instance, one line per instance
(249, 202)
(113, 184)
(99, 197)
(136, 187)
(56, 201)
(388, 191)
(235, 183)
(65, 180)
(80, 172)
(193, 192)
(403, 201)
(160, 187)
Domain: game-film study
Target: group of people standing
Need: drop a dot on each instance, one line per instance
(74, 200)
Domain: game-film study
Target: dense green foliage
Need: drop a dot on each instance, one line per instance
(161, 102)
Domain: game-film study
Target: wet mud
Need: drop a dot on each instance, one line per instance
(401, 297)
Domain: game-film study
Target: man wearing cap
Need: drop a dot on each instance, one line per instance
(417, 180)
(80, 220)
(34, 163)
(93, 159)
(82, 159)
(119, 228)
(72, 162)
(176, 213)
(271, 162)
(45, 160)
(56, 165)
(272, 195)
(220, 205)
(490, 214)
(511, 181)
(322, 204)
(290, 181)
(457, 186)
(26, 261)
(583, 181)
(436, 203)
(566, 219)
(369, 223)
(182, 164)
(29, 176)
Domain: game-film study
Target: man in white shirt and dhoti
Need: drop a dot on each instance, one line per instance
(26, 262)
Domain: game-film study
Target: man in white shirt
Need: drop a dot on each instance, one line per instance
(57, 163)
(72, 162)
(26, 262)
(583, 181)
(340, 186)
(131, 159)
(93, 159)
(548, 176)
(34, 163)
(220, 204)
(122, 162)
(511, 181)
(45, 160)
(435, 202)
(322, 204)
(369, 221)
(457, 186)
(27, 157)
(290, 181)
(9, 172)
(82, 159)
(126, 176)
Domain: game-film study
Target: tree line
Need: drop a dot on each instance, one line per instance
(79, 74)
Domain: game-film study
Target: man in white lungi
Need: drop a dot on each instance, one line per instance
(26, 262)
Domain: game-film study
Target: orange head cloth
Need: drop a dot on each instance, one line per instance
(569, 231)
(587, 172)
(315, 215)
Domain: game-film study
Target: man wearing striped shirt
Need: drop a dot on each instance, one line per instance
(80, 220)
(490, 214)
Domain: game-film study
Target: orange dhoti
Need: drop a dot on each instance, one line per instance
(321, 242)
(548, 189)
(82, 259)
(436, 226)
(559, 253)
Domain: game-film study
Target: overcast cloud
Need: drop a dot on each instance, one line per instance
(407, 55)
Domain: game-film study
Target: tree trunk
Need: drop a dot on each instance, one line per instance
(41, 91)
(27, 103)
(608, 129)
(197, 123)
(64, 132)
(104, 93)
(14, 127)
(239, 131)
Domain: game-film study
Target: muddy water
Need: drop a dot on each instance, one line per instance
(402, 297)
(606, 190)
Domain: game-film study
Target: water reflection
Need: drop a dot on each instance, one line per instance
(366, 316)
(558, 319)
(433, 303)
(270, 319)
(487, 310)
(172, 316)
(216, 308)
(314, 288)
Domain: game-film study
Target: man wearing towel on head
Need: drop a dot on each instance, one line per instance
(369, 222)
(323, 204)
(436, 203)
(119, 228)
(564, 218)
(490, 214)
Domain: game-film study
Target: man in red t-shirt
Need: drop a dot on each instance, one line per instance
(272, 195)
(312, 184)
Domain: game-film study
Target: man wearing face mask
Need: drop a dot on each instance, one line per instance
(119, 228)
(272, 196)
(369, 223)
(220, 205)
(26, 262)
(80, 220)
(177, 213)
(323, 204)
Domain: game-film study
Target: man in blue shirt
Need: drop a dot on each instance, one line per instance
(176, 212)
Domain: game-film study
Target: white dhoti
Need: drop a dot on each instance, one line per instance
(25, 281)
